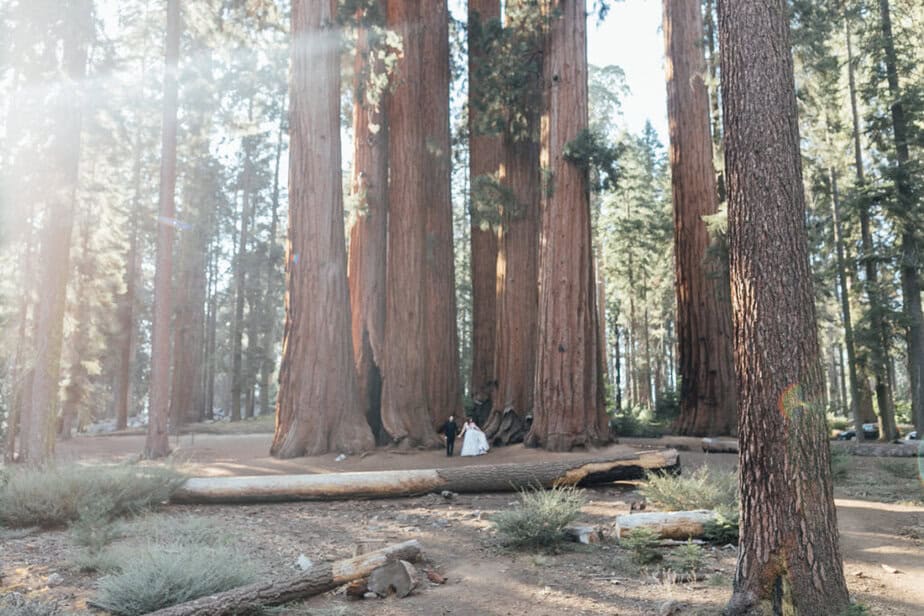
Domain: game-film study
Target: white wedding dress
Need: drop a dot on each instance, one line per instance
(475, 442)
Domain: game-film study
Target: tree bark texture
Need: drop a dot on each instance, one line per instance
(318, 408)
(240, 285)
(156, 444)
(704, 330)
(484, 159)
(444, 388)
(127, 306)
(789, 560)
(388, 484)
(316, 580)
(569, 391)
(77, 379)
(910, 250)
(37, 424)
(405, 411)
(368, 234)
(517, 284)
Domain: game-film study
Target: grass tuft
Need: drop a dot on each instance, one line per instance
(702, 489)
(158, 576)
(56, 496)
(538, 521)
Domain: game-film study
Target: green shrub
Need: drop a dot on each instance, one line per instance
(538, 521)
(159, 576)
(840, 464)
(94, 528)
(181, 529)
(839, 423)
(688, 558)
(636, 422)
(722, 531)
(14, 604)
(643, 544)
(702, 489)
(55, 496)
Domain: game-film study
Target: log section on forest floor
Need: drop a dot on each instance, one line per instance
(316, 580)
(680, 525)
(884, 450)
(718, 445)
(385, 484)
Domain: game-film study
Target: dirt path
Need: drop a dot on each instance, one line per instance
(457, 535)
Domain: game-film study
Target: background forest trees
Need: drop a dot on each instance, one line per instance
(80, 211)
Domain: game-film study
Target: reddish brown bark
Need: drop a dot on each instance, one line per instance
(788, 560)
(444, 389)
(368, 234)
(37, 424)
(318, 409)
(156, 445)
(569, 392)
(704, 331)
(484, 159)
(405, 411)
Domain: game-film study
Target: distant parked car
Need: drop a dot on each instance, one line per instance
(911, 436)
(870, 433)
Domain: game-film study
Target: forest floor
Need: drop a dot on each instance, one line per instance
(880, 514)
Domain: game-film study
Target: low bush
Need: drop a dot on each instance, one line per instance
(538, 521)
(722, 531)
(636, 422)
(702, 489)
(840, 464)
(158, 576)
(14, 604)
(688, 558)
(55, 496)
(643, 544)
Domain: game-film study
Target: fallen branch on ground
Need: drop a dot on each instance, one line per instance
(384, 484)
(316, 580)
(679, 525)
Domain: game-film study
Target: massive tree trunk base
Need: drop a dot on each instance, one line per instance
(385, 484)
(318, 579)
(784, 592)
(505, 427)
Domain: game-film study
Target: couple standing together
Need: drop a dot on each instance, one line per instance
(474, 442)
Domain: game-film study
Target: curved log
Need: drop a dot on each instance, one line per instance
(314, 581)
(385, 484)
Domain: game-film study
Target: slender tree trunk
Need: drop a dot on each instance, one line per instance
(788, 560)
(880, 348)
(318, 409)
(845, 305)
(444, 389)
(647, 395)
(369, 234)
(157, 445)
(211, 335)
(910, 252)
(712, 64)
(38, 423)
(405, 411)
(127, 306)
(484, 160)
(704, 332)
(269, 319)
(240, 288)
(569, 393)
(76, 390)
(617, 367)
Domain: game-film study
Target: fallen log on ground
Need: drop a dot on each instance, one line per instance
(316, 580)
(884, 450)
(384, 484)
(720, 445)
(679, 525)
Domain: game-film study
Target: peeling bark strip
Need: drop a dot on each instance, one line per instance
(385, 484)
(318, 579)
(789, 561)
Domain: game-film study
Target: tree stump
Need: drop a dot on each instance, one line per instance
(398, 577)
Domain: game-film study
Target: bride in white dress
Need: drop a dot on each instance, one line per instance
(475, 443)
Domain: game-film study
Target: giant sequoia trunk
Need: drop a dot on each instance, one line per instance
(910, 251)
(318, 409)
(704, 332)
(788, 560)
(444, 392)
(368, 239)
(156, 444)
(569, 391)
(37, 427)
(405, 412)
(484, 160)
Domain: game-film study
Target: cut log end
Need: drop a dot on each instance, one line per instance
(398, 577)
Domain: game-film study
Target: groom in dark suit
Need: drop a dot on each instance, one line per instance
(449, 430)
